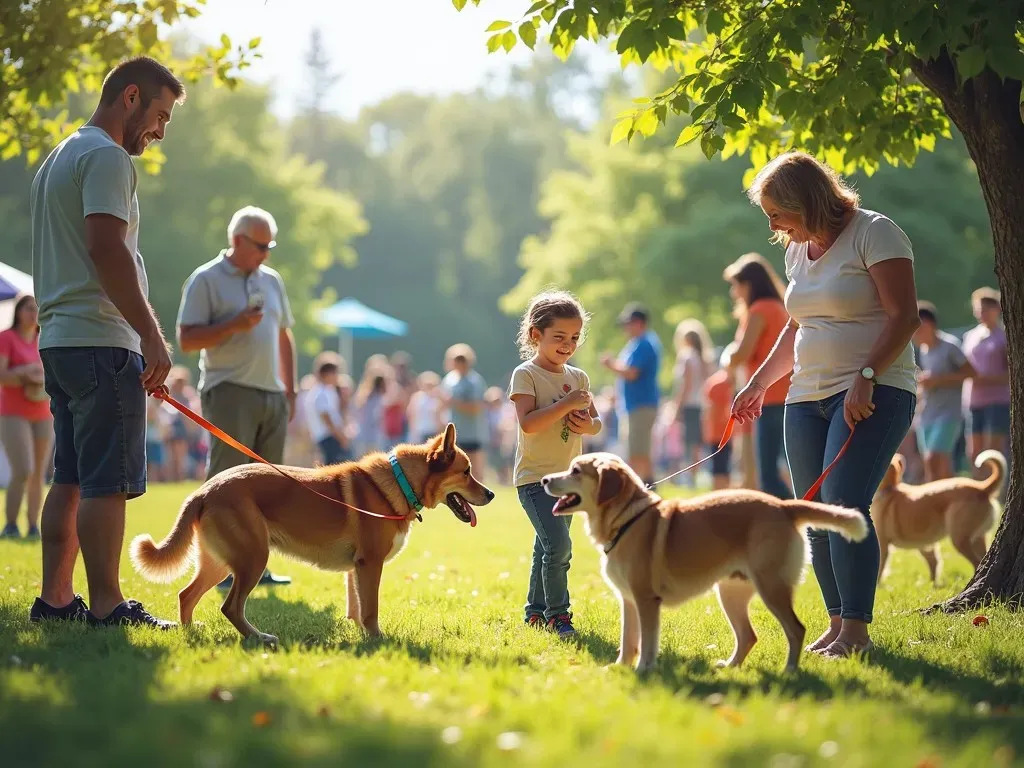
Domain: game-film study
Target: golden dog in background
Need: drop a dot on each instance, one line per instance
(920, 516)
(659, 551)
(231, 523)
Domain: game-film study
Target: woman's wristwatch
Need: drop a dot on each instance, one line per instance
(869, 373)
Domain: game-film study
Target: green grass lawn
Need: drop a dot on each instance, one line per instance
(459, 680)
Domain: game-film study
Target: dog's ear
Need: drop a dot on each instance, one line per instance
(609, 483)
(442, 452)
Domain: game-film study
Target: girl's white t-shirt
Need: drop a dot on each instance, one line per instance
(835, 301)
(543, 453)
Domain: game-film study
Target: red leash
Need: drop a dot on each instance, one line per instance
(727, 436)
(213, 429)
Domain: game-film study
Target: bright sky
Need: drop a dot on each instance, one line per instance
(378, 46)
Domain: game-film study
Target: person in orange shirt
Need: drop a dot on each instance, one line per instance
(757, 291)
(717, 392)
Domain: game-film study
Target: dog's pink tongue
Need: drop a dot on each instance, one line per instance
(472, 516)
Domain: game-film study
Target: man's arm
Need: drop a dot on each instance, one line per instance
(115, 268)
(287, 352)
(192, 338)
(119, 278)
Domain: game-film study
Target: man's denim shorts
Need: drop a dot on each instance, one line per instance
(99, 419)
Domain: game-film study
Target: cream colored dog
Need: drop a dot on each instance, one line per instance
(659, 551)
(920, 516)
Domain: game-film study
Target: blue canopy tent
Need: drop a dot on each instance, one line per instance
(13, 283)
(354, 320)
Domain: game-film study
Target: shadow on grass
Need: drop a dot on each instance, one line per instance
(80, 696)
(299, 625)
(696, 677)
(966, 685)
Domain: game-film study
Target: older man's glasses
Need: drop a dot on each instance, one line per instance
(265, 247)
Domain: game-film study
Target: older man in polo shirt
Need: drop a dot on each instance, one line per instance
(235, 311)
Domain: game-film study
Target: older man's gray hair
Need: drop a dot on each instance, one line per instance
(243, 219)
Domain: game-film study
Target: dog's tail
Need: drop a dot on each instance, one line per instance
(997, 470)
(167, 560)
(850, 523)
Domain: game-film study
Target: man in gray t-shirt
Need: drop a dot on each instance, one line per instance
(235, 312)
(101, 344)
(940, 419)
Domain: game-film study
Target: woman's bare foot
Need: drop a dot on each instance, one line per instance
(828, 637)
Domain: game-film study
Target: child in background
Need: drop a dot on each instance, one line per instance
(463, 391)
(424, 412)
(719, 391)
(324, 418)
(554, 409)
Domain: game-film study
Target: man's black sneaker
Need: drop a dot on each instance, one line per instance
(130, 613)
(76, 610)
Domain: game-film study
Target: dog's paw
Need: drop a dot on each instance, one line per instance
(262, 640)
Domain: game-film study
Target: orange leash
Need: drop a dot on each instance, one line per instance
(727, 436)
(213, 429)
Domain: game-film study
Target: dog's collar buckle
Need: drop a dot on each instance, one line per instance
(403, 483)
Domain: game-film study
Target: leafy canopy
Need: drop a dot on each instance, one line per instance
(54, 48)
(834, 77)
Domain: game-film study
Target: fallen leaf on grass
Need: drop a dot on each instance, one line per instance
(261, 719)
(929, 762)
(324, 711)
(731, 715)
(980, 621)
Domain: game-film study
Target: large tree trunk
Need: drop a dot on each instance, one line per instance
(988, 112)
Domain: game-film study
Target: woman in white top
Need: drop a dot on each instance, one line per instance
(853, 311)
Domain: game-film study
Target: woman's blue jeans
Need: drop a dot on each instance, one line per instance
(847, 571)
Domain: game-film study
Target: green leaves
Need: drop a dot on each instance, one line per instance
(63, 56)
(528, 34)
(622, 130)
(496, 25)
(970, 61)
(754, 76)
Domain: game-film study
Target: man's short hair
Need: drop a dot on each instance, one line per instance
(147, 74)
(926, 311)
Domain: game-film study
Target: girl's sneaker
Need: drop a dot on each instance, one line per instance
(535, 620)
(10, 531)
(562, 625)
(33, 534)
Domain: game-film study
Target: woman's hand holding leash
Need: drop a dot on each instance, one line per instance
(748, 403)
(857, 405)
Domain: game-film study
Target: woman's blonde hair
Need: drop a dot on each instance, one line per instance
(692, 333)
(798, 183)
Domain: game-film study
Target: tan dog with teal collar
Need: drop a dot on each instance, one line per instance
(663, 552)
(231, 523)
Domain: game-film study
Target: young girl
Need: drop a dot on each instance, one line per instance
(554, 410)
(693, 366)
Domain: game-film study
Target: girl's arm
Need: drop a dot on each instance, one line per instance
(533, 419)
